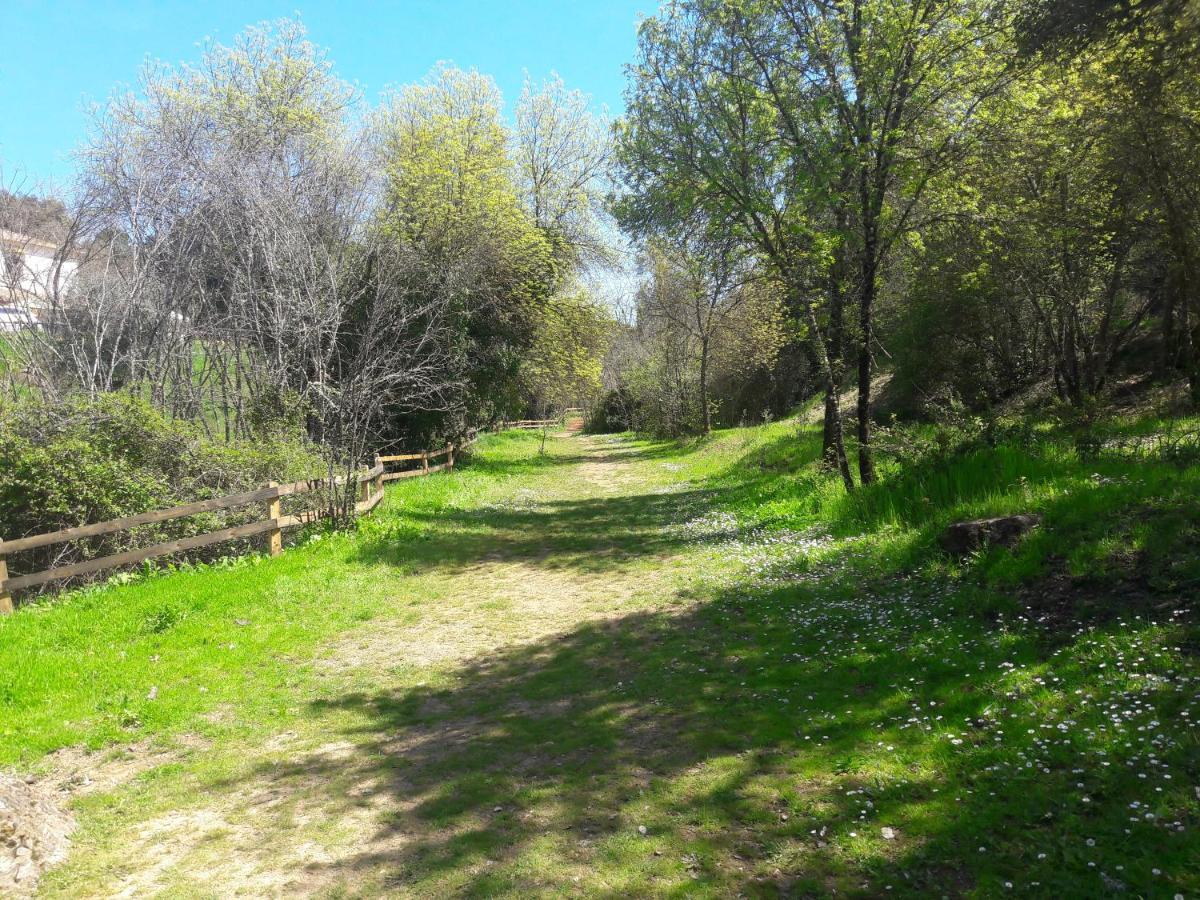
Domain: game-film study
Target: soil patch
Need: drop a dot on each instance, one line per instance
(35, 829)
(1061, 602)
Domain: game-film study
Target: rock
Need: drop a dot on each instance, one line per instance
(642, 830)
(1005, 531)
(34, 829)
(889, 834)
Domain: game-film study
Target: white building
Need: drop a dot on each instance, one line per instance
(31, 271)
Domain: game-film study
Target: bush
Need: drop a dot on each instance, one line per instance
(616, 411)
(84, 461)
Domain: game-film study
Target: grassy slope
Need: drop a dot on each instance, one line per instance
(79, 670)
(779, 673)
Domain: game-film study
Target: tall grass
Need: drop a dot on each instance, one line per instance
(1099, 507)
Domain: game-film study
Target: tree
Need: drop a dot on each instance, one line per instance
(698, 286)
(880, 98)
(815, 129)
(565, 364)
(1068, 26)
(450, 195)
(562, 155)
(225, 219)
(701, 137)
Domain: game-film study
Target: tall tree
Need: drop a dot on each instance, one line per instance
(451, 194)
(701, 137)
(698, 285)
(562, 153)
(879, 98)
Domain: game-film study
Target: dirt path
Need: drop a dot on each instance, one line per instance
(412, 713)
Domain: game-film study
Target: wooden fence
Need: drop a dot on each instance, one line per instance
(541, 423)
(424, 456)
(370, 493)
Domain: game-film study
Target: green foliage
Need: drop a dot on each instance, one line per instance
(1003, 191)
(444, 154)
(270, 89)
(710, 321)
(616, 411)
(86, 461)
(454, 201)
(564, 365)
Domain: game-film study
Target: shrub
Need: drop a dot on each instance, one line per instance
(88, 460)
(616, 411)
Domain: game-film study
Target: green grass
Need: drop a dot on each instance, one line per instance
(504, 677)
(78, 670)
(10, 382)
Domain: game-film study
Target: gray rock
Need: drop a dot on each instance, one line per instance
(1005, 531)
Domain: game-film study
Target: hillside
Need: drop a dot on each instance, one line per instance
(630, 667)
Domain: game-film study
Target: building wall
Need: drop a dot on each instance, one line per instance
(27, 276)
(37, 271)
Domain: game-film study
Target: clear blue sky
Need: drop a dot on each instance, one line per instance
(59, 56)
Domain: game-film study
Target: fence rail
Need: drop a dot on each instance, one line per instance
(542, 423)
(531, 423)
(370, 493)
(424, 456)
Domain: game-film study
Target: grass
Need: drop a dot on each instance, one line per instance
(643, 668)
(77, 670)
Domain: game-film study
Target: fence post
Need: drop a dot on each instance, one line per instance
(6, 601)
(424, 462)
(275, 535)
(450, 451)
(379, 477)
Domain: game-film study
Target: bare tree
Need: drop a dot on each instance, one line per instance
(226, 254)
(563, 154)
(697, 286)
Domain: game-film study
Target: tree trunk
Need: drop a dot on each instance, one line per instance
(1191, 339)
(833, 410)
(829, 427)
(835, 348)
(705, 419)
(866, 463)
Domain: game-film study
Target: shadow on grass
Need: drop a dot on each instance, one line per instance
(762, 737)
(746, 734)
(593, 535)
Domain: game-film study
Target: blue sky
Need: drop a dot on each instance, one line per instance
(60, 56)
